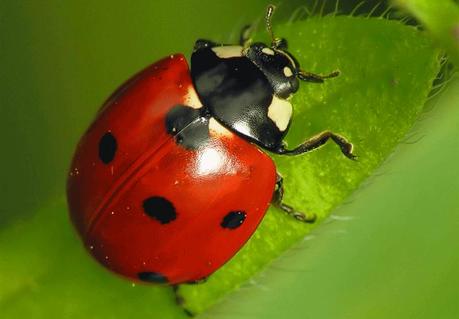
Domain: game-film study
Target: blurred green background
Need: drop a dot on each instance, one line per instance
(397, 258)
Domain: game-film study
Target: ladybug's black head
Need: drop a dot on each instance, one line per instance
(246, 87)
(277, 64)
(280, 68)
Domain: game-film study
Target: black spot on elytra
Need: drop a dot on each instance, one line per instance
(194, 135)
(189, 127)
(179, 117)
(153, 277)
(159, 208)
(107, 148)
(233, 219)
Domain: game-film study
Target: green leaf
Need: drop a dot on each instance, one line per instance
(441, 18)
(387, 70)
(390, 253)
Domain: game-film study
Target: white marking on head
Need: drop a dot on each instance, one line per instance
(228, 51)
(288, 57)
(268, 51)
(288, 72)
(192, 99)
(217, 128)
(280, 111)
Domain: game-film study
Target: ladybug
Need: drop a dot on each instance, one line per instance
(173, 176)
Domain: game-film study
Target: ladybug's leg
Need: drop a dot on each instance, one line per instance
(197, 282)
(277, 201)
(315, 78)
(180, 301)
(317, 141)
(244, 36)
(201, 44)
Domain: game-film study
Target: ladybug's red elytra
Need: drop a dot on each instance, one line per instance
(172, 178)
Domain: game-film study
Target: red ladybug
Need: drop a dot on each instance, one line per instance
(172, 178)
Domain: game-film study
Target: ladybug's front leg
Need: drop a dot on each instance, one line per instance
(316, 78)
(316, 142)
(244, 36)
(277, 201)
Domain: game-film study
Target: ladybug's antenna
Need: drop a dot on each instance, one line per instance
(269, 15)
(276, 43)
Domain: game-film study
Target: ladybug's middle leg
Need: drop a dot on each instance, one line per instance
(277, 201)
